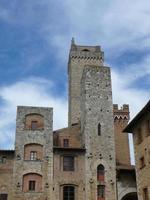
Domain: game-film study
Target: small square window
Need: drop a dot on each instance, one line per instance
(34, 125)
(65, 143)
(31, 185)
(68, 163)
(33, 155)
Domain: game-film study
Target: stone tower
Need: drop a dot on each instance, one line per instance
(121, 119)
(97, 128)
(33, 165)
(79, 56)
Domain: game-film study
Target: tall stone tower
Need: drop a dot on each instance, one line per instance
(121, 119)
(33, 165)
(97, 128)
(79, 56)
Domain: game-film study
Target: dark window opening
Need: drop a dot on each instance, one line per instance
(68, 163)
(99, 129)
(33, 155)
(101, 191)
(66, 143)
(3, 196)
(145, 194)
(68, 193)
(34, 125)
(100, 173)
(142, 162)
(3, 159)
(86, 50)
(31, 185)
(139, 136)
(148, 127)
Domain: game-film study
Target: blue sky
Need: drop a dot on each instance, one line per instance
(35, 40)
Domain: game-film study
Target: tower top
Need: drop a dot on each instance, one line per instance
(85, 52)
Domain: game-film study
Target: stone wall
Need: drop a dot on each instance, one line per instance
(43, 168)
(97, 108)
(79, 57)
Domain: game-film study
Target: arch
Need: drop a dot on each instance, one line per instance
(32, 182)
(33, 151)
(34, 121)
(86, 50)
(100, 173)
(130, 196)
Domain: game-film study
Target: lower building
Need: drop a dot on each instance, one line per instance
(140, 127)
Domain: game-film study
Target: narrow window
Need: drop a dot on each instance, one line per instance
(34, 125)
(145, 194)
(3, 196)
(68, 193)
(100, 173)
(66, 143)
(33, 155)
(142, 162)
(3, 160)
(101, 192)
(31, 185)
(139, 135)
(68, 163)
(148, 127)
(99, 129)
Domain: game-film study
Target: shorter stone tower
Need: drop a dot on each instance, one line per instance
(97, 129)
(33, 165)
(121, 118)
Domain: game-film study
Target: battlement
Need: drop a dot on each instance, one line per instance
(86, 52)
(122, 112)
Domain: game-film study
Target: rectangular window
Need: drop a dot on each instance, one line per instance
(3, 159)
(139, 136)
(142, 162)
(66, 143)
(68, 163)
(148, 127)
(33, 155)
(68, 193)
(31, 185)
(101, 191)
(34, 125)
(145, 194)
(3, 196)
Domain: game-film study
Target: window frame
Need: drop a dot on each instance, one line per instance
(3, 196)
(32, 185)
(70, 194)
(69, 165)
(34, 125)
(65, 143)
(33, 155)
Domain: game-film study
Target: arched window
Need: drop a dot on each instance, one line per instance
(32, 182)
(99, 129)
(33, 152)
(68, 192)
(34, 121)
(100, 173)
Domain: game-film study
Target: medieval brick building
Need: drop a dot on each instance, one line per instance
(89, 159)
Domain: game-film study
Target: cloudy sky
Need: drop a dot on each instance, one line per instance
(35, 40)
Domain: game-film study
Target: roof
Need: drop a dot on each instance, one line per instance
(137, 118)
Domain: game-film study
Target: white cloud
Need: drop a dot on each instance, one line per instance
(34, 92)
